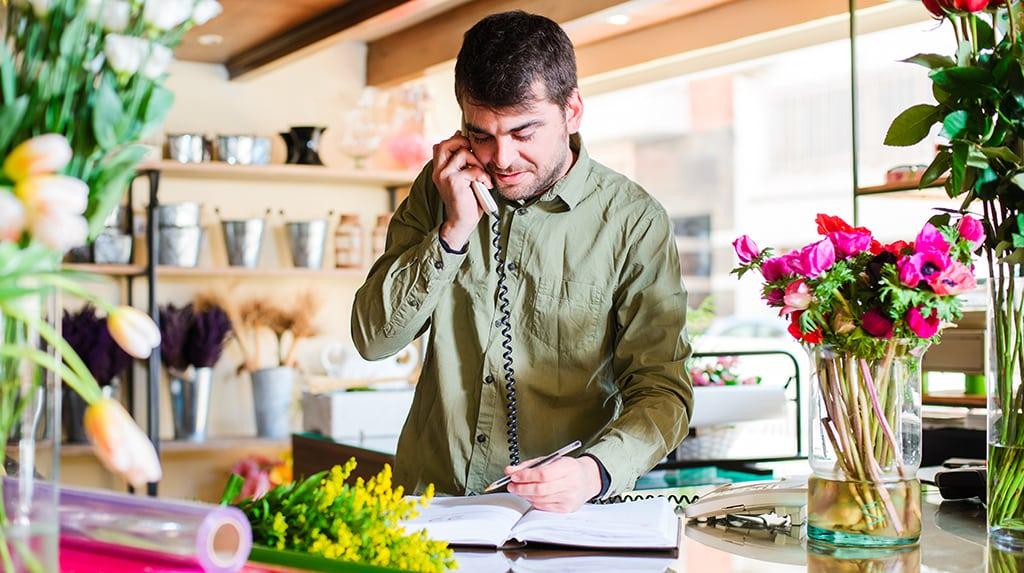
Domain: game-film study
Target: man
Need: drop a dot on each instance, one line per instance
(597, 308)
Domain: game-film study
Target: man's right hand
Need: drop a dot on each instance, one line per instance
(455, 167)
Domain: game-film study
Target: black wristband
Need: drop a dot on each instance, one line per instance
(448, 248)
(606, 478)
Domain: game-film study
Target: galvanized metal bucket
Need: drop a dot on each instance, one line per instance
(190, 404)
(306, 240)
(272, 399)
(243, 239)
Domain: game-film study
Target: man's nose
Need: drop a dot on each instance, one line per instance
(505, 154)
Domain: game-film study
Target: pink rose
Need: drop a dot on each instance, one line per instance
(797, 297)
(922, 266)
(849, 243)
(746, 249)
(957, 278)
(972, 230)
(775, 268)
(791, 260)
(923, 327)
(698, 377)
(816, 258)
(930, 239)
(876, 324)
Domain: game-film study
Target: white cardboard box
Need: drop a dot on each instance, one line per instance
(354, 415)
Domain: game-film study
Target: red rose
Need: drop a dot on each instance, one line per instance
(970, 5)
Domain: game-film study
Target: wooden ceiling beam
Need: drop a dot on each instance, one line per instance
(719, 25)
(305, 35)
(408, 53)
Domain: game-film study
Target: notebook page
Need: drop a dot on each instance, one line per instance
(606, 563)
(483, 520)
(643, 524)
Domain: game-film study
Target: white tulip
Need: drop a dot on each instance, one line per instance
(157, 60)
(115, 15)
(12, 217)
(124, 53)
(205, 11)
(59, 230)
(53, 194)
(133, 331)
(47, 153)
(167, 14)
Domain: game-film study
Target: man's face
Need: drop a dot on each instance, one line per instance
(525, 150)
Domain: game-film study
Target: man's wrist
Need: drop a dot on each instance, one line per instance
(455, 238)
(592, 472)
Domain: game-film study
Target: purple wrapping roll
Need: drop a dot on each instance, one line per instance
(216, 538)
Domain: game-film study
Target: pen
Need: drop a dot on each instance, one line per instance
(504, 480)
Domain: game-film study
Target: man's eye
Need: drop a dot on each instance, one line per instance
(480, 138)
(525, 136)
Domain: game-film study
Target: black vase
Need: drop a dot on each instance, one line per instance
(290, 145)
(304, 148)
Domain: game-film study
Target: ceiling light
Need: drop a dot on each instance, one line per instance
(210, 39)
(619, 19)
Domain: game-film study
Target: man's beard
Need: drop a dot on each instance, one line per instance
(542, 183)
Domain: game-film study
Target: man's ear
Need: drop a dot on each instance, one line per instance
(574, 111)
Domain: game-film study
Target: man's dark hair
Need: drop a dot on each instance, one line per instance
(504, 54)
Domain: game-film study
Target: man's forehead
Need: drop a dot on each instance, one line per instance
(486, 119)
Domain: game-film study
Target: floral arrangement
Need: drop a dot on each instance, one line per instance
(979, 104)
(260, 474)
(192, 337)
(359, 522)
(720, 372)
(857, 295)
(87, 334)
(866, 310)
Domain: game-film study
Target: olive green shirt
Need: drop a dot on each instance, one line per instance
(597, 313)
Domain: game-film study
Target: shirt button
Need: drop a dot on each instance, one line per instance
(497, 323)
(411, 301)
(512, 267)
(438, 265)
(480, 438)
(489, 379)
(521, 211)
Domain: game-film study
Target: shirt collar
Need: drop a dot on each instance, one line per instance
(572, 188)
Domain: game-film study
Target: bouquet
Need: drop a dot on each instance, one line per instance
(359, 522)
(979, 104)
(867, 311)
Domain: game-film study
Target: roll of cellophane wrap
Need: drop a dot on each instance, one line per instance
(209, 537)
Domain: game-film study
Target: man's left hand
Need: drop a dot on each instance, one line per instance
(562, 486)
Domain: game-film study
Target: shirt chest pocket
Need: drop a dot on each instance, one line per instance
(564, 315)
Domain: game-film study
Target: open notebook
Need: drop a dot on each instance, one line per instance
(505, 520)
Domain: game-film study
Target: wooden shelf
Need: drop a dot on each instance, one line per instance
(954, 398)
(898, 187)
(282, 172)
(176, 446)
(282, 272)
(110, 270)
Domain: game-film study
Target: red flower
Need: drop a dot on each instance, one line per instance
(876, 324)
(934, 7)
(813, 337)
(969, 5)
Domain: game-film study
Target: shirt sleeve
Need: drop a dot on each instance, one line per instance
(651, 349)
(403, 286)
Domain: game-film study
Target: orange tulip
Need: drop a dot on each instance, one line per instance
(119, 443)
(42, 154)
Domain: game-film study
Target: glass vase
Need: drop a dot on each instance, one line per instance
(865, 447)
(30, 426)
(1005, 400)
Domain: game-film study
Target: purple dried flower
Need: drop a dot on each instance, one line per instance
(175, 323)
(205, 342)
(88, 336)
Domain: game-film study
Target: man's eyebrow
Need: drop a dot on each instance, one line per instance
(523, 127)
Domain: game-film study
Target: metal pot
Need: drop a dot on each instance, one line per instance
(190, 403)
(178, 214)
(243, 149)
(112, 248)
(188, 147)
(306, 241)
(117, 219)
(179, 246)
(243, 239)
(272, 399)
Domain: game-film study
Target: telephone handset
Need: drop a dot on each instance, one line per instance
(487, 203)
